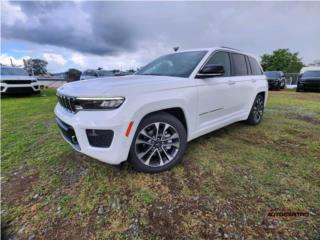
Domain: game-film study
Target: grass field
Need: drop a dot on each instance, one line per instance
(223, 189)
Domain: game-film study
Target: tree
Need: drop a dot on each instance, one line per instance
(282, 60)
(36, 66)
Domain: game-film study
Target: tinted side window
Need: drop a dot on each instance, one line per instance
(255, 67)
(221, 58)
(239, 65)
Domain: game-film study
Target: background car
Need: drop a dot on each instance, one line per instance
(276, 79)
(17, 80)
(309, 80)
(91, 73)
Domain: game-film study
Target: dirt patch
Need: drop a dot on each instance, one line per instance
(17, 188)
(164, 220)
(310, 97)
(67, 229)
(173, 182)
(306, 118)
(289, 146)
(252, 138)
(70, 176)
(200, 215)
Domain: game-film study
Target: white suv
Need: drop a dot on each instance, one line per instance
(149, 117)
(17, 80)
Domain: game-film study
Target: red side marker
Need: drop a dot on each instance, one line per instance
(129, 128)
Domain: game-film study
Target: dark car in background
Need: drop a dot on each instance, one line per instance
(309, 81)
(276, 79)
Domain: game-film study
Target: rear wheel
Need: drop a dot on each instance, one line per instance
(159, 143)
(256, 112)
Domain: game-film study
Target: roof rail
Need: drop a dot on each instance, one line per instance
(230, 48)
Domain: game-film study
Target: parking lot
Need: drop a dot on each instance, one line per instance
(226, 184)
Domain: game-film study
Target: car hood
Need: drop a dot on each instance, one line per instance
(16, 77)
(122, 86)
(86, 77)
(273, 78)
(310, 78)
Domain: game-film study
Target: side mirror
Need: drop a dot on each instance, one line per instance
(211, 70)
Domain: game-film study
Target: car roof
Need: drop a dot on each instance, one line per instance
(212, 49)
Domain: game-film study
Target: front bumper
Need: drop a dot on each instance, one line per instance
(309, 86)
(79, 123)
(19, 88)
(274, 84)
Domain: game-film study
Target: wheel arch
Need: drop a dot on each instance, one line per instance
(264, 94)
(177, 112)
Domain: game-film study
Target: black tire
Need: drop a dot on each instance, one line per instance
(150, 121)
(298, 89)
(283, 84)
(256, 112)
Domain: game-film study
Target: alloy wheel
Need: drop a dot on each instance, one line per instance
(157, 144)
(258, 109)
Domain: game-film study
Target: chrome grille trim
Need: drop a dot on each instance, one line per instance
(67, 102)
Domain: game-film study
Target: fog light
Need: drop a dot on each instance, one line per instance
(99, 138)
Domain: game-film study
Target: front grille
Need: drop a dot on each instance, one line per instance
(67, 102)
(17, 81)
(14, 90)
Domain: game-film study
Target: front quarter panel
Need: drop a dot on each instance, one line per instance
(184, 98)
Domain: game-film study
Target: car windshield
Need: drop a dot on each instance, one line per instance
(175, 64)
(311, 74)
(106, 73)
(89, 73)
(14, 71)
(272, 74)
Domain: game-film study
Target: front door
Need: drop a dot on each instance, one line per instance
(215, 93)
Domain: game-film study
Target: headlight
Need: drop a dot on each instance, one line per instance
(98, 103)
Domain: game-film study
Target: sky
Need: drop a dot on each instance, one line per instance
(125, 35)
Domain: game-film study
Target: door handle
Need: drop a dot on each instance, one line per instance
(231, 82)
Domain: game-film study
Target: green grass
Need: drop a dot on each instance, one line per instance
(225, 185)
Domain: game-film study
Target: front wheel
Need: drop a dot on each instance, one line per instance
(283, 84)
(298, 89)
(159, 143)
(256, 112)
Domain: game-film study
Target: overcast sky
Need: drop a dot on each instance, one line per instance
(129, 34)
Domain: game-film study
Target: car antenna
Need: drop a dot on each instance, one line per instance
(175, 49)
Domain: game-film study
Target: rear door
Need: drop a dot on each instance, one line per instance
(257, 77)
(242, 82)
